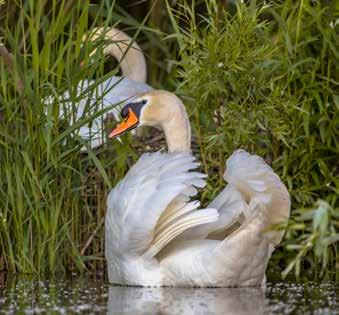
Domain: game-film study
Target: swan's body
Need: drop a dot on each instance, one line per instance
(114, 90)
(155, 236)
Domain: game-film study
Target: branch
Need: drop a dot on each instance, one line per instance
(8, 60)
(90, 239)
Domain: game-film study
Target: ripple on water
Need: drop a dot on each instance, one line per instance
(29, 295)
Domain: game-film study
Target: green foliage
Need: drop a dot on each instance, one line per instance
(264, 80)
(318, 240)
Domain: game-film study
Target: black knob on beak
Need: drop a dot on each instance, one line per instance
(136, 108)
(124, 111)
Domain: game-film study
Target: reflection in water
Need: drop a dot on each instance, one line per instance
(74, 295)
(24, 294)
(242, 301)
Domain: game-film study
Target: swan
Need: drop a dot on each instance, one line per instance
(156, 236)
(112, 91)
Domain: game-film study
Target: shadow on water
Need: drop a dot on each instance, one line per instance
(30, 295)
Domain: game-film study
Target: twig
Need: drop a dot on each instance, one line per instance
(8, 59)
(90, 239)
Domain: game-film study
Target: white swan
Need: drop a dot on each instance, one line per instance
(155, 236)
(112, 91)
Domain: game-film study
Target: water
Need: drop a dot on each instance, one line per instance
(27, 295)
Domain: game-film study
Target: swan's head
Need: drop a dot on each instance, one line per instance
(155, 108)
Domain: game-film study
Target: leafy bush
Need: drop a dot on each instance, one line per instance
(264, 80)
(319, 227)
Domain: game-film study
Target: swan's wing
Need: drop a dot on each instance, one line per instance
(230, 205)
(252, 185)
(262, 189)
(150, 206)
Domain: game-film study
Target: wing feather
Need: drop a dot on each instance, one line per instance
(252, 185)
(150, 206)
(178, 226)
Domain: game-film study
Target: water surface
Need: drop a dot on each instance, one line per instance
(29, 295)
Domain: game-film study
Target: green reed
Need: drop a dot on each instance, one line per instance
(52, 194)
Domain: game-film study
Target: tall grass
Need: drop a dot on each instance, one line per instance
(52, 194)
(264, 79)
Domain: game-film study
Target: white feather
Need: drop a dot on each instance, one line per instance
(144, 195)
(156, 236)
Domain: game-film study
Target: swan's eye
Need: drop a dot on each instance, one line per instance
(144, 102)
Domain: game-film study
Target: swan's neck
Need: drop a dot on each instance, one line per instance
(177, 131)
(128, 54)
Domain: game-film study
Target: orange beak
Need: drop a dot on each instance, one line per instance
(130, 122)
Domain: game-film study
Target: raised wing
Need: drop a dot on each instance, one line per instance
(253, 187)
(150, 206)
(262, 189)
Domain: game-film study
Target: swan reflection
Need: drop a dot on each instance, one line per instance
(138, 300)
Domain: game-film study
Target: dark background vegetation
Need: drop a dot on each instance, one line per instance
(258, 75)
